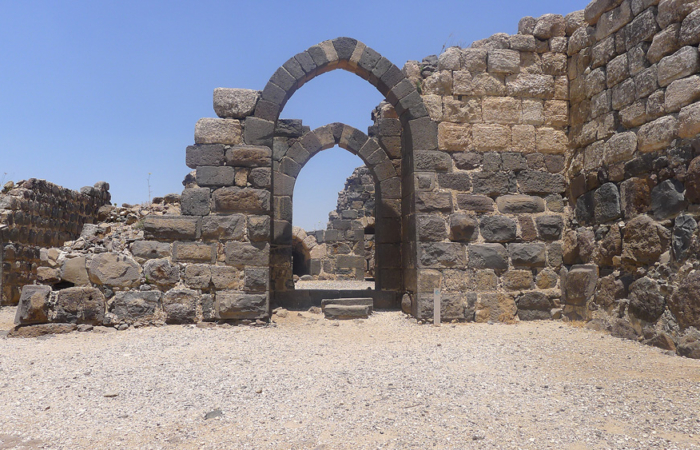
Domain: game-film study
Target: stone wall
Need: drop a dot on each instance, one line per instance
(36, 214)
(491, 205)
(635, 170)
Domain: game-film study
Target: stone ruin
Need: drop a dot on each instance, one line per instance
(551, 173)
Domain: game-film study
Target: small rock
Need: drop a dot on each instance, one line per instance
(213, 414)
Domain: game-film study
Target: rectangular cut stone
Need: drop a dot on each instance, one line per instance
(239, 305)
(664, 43)
(642, 28)
(235, 199)
(235, 103)
(474, 59)
(531, 86)
(217, 131)
(223, 227)
(249, 156)
(491, 137)
(215, 176)
(550, 140)
(462, 111)
(195, 202)
(520, 204)
(194, 252)
(504, 110)
(246, 254)
(171, 227)
(681, 64)
(204, 155)
(524, 139)
(504, 61)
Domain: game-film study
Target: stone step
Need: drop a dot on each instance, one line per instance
(346, 312)
(364, 301)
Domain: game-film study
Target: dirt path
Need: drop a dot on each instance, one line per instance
(385, 382)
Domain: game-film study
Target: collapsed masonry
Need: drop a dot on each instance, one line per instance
(553, 172)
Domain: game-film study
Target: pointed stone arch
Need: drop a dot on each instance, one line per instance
(387, 199)
(418, 140)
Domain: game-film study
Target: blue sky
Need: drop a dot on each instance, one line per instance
(111, 90)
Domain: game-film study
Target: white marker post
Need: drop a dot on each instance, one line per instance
(437, 301)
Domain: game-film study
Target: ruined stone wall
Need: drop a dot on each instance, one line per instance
(36, 214)
(347, 245)
(490, 204)
(635, 171)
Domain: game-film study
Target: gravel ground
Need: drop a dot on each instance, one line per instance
(308, 383)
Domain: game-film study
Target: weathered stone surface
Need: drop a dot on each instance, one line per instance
(550, 228)
(477, 203)
(612, 21)
(527, 255)
(215, 175)
(33, 331)
(681, 93)
(431, 228)
(657, 135)
(195, 202)
(549, 26)
(112, 269)
(624, 330)
(498, 229)
(690, 29)
(681, 64)
(239, 305)
(620, 147)
(218, 131)
(606, 203)
(491, 137)
(488, 256)
(644, 241)
(235, 103)
(692, 183)
(646, 300)
(534, 301)
(493, 183)
(685, 301)
(246, 254)
(635, 197)
(533, 314)
(689, 121)
(73, 270)
(235, 199)
(517, 280)
(170, 227)
(197, 276)
(494, 307)
(538, 182)
(520, 204)
(135, 306)
(689, 345)
(194, 252)
(249, 156)
(668, 199)
(683, 231)
(80, 305)
(504, 61)
(346, 312)
(223, 227)
(33, 305)
(161, 272)
(180, 306)
(530, 86)
(150, 249)
(433, 202)
(609, 291)
(578, 286)
(463, 228)
(442, 255)
(224, 277)
(204, 155)
(596, 8)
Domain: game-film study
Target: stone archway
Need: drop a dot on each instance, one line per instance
(418, 141)
(387, 200)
